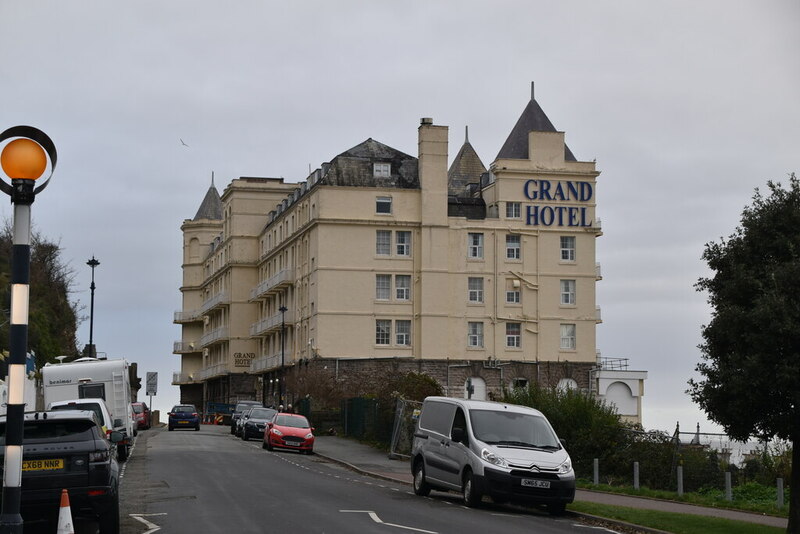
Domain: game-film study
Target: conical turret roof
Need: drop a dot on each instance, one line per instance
(466, 168)
(211, 207)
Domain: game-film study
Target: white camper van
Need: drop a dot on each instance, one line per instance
(88, 378)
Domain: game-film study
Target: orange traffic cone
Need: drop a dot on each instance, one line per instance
(65, 515)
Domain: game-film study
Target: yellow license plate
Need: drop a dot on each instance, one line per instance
(42, 465)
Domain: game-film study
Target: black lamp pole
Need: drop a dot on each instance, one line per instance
(92, 263)
(283, 310)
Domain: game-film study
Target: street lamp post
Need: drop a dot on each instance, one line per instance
(24, 160)
(282, 384)
(91, 352)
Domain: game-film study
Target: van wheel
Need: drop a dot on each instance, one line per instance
(472, 497)
(556, 508)
(421, 487)
(122, 453)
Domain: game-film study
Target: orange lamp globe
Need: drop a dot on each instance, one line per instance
(23, 159)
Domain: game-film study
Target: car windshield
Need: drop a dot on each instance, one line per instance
(242, 406)
(88, 406)
(138, 409)
(514, 429)
(292, 421)
(184, 409)
(261, 413)
(62, 430)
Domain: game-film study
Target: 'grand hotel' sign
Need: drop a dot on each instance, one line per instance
(556, 191)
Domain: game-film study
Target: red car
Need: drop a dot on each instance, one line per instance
(289, 431)
(141, 415)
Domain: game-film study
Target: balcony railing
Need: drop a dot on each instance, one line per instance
(272, 284)
(214, 335)
(266, 363)
(220, 298)
(180, 347)
(598, 272)
(210, 372)
(271, 324)
(187, 316)
(598, 316)
(182, 378)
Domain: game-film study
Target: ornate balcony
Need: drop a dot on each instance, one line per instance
(214, 336)
(187, 316)
(271, 324)
(271, 285)
(221, 298)
(183, 347)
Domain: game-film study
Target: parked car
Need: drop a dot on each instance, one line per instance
(242, 419)
(508, 452)
(240, 407)
(183, 416)
(256, 422)
(289, 431)
(68, 449)
(107, 421)
(141, 414)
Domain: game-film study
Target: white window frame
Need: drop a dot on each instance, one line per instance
(513, 210)
(402, 331)
(383, 332)
(385, 203)
(568, 292)
(383, 247)
(513, 296)
(403, 242)
(567, 244)
(475, 245)
(382, 170)
(475, 335)
(513, 340)
(475, 289)
(402, 291)
(513, 247)
(568, 337)
(383, 286)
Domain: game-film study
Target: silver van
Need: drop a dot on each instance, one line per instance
(505, 451)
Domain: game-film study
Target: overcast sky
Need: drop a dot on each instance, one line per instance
(687, 107)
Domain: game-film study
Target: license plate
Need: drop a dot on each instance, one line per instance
(183, 422)
(533, 483)
(42, 465)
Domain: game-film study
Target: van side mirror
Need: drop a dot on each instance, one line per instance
(458, 435)
(563, 443)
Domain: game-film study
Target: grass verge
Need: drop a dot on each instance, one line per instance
(672, 522)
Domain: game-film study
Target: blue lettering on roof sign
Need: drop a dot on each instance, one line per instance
(539, 215)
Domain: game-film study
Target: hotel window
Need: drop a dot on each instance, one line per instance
(512, 247)
(475, 334)
(475, 289)
(383, 205)
(402, 330)
(403, 239)
(519, 383)
(513, 335)
(512, 297)
(567, 248)
(568, 292)
(383, 286)
(382, 170)
(568, 336)
(383, 242)
(475, 245)
(402, 285)
(512, 210)
(383, 332)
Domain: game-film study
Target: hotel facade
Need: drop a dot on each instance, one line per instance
(381, 262)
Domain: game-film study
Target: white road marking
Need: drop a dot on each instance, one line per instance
(152, 526)
(377, 519)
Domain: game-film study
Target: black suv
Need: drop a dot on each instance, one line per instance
(257, 419)
(68, 449)
(240, 407)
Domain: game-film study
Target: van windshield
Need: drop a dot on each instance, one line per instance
(513, 429)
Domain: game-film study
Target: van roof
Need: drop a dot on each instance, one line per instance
(485, 405)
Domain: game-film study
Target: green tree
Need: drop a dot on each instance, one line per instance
(52, 317)
(751, 348)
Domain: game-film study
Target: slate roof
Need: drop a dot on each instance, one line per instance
(533, 119)
(211, 207)
(354, 167)
(466, 168)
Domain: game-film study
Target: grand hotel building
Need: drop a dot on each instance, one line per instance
(380, 261)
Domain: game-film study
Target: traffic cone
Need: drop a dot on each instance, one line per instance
(65, 515)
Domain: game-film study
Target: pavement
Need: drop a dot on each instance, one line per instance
(376, 463)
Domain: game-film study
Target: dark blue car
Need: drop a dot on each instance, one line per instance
(183, 416)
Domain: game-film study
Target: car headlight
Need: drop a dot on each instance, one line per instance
(276, 432)
(565, 467)
(309, 435)
(492, 458)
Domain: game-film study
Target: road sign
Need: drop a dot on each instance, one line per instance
(152, 383)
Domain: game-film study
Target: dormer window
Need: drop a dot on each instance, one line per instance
(382, 170)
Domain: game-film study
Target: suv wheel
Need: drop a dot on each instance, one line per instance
(244, 434)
